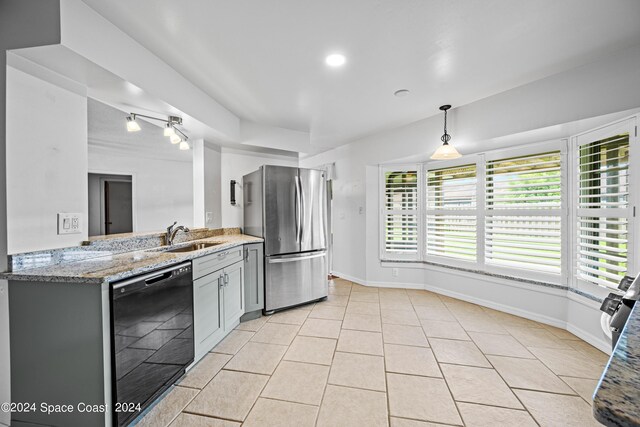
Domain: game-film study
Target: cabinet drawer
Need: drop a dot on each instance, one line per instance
(210, 263)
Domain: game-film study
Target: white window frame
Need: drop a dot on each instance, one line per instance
(477, 212)
(569, 192)
(528, 150)
(384, 255)
(627, 124)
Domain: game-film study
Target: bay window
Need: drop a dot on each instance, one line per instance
(451, 212)
(604, 209)
(560, 212)
(400, 213)
(523, 217)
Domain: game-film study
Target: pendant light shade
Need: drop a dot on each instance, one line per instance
(175, 139)
(445, 151)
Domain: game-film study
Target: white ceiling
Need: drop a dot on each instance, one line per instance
(264, 59)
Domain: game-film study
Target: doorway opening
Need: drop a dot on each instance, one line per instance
(110, 204)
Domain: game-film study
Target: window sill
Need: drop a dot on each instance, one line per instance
(400, 263)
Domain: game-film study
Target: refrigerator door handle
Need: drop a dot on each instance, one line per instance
(294, 259)
(302, 208)
(298, 210)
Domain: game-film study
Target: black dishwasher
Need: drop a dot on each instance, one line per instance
(151, 337)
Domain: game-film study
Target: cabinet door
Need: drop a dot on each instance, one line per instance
(208, 325)
(253, 277)
(233, 293)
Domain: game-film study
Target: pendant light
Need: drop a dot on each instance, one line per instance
(445, 151)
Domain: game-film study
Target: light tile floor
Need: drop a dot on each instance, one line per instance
(380, 357)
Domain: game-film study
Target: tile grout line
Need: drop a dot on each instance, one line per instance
(326, 385)
(446, 304)
(446, 383)
(514, 393)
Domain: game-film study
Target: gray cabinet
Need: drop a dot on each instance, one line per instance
(253, 279)
(218, 298)
(208, 324)
(233, 294)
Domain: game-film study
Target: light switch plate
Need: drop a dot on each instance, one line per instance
(69, 223)
(209, 218)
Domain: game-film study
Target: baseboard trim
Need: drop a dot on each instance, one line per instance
(598, 343)
(500, 307)
(395, 285)
(350, 278)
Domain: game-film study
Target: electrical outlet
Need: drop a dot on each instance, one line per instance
(69, 223)
(209, 217)
(394, 272)
(360, 210)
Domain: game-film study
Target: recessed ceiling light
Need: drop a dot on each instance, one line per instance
(401, 93)
(335, 60)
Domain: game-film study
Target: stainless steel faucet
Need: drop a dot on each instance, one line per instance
(172, 230)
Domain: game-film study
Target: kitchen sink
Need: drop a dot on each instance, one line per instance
(194, 247)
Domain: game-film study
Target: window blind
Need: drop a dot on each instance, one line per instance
(603, 210)
(523, 219)
(400, 214)
(451, 212)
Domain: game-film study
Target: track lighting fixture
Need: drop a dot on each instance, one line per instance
(176, 136)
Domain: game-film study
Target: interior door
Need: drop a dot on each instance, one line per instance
(313, 202)
(118, 206)
(281, 210)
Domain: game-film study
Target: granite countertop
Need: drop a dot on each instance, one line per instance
(108, 266)
(616, 401)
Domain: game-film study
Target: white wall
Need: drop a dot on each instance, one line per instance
(162, 189)
(604, 88)
(46, 173)
(236, 164)
(206, 185)
(22, 24)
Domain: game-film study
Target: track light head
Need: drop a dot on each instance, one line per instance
(169, 130)
(132, 124)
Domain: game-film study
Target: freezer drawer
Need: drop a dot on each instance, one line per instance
(295, 279)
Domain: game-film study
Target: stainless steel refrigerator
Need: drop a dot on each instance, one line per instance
(287, 207)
